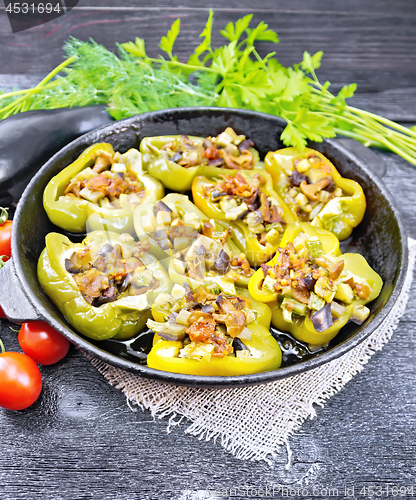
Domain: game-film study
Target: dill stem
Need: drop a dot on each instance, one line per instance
(54, 72)
(32, 90)
(183, 65)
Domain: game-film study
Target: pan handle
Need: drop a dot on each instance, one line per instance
(13, 299)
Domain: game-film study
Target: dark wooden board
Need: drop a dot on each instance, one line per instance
(81, 440)
(365, 42)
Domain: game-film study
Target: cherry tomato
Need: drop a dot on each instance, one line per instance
(5, 239)
(2, 315)
(20, 381)
(42, 342)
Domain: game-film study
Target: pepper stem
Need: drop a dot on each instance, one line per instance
(4, 214)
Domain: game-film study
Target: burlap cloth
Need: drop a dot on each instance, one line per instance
(268, 413)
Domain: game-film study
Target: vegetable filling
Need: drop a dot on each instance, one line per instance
(108, 183)
(106, 273)
(242, 198)
(227, 150)
(209, 325)
(309, 187)
(310, 283)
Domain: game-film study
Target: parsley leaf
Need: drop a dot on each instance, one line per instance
(261, 33)
(136, 49)
(167, 42)
(233, 32)
(233, 75)
(311, 63)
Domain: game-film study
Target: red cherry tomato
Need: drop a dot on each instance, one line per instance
(2, 315)
(42, 342)
(20, 381)
(5, 239)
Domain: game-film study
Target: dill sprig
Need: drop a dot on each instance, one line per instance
(233, 75)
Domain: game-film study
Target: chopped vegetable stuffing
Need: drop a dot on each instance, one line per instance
(315, 191)
(227, 150)
(183, 278)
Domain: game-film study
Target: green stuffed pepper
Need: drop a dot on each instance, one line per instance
(193, 248)
(248, 202)
(104, 286)
(213, 260)
(177, 159)
(312, 289)
(99, 191)
(315, 191)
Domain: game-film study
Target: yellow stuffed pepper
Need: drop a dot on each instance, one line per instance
(210, 334)
(313, 289)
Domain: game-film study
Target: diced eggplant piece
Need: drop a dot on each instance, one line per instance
(160, 206)
(216, 163)
(244, 145)
(159, 234)
(172, 317)
(216, 194)
(71, 267)
(207, 309)
(254, 218)
(176, 157)
(310, 281)
(89, 299)
(222, 262)
(109, 295)
(296, 178)
(107, 248)
(237, 212)
(126, 282)
(337, 309)
(239, 345)
(253, 203)
(322, 319)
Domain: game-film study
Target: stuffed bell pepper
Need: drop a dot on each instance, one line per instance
(99, 191)
(315, 191)
(312, 289)
(105, 286)
(248, 202)
(177, 159)
(201, 333)
(193, 248)
(213, 260)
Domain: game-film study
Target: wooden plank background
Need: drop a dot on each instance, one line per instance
(80, 440)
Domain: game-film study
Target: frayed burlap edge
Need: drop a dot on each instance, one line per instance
(268, 413)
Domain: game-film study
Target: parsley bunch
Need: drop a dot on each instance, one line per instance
(233, 75)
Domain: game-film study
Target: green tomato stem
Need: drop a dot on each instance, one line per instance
(4, 215)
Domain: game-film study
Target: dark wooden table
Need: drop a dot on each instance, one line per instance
(80, 440)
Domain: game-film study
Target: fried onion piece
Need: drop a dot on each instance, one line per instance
(234, 319)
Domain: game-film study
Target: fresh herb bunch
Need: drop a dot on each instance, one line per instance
(233, 75)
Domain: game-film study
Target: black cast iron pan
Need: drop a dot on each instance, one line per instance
(381, 237)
